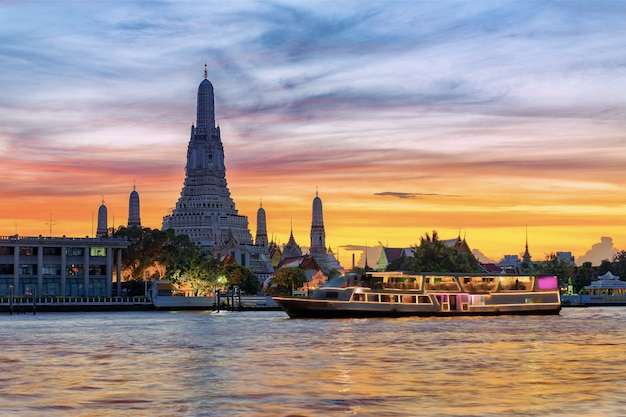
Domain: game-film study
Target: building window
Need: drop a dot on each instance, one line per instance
(7, 250)
(51, 270)
(75, 251)
(6, 269)
(74, 269)
(97, 252)
(52, 251)
(27, 269)
(51, 287)
(28, 250)
(97, 270)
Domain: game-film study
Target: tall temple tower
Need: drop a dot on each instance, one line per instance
(261, 228)
(134, 220)
(102, 229)
(526, 257)
(205, 211)
(318, 235)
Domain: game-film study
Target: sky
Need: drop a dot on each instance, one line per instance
(492, 120)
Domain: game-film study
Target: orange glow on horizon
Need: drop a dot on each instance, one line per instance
(351, 218)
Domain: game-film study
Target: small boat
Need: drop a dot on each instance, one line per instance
(399, 294)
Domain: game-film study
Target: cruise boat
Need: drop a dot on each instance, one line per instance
(399, 294)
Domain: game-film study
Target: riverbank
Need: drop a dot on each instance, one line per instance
(23, 305)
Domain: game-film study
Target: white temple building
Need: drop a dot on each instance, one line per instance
(318, 235)
(102, 229)
(205, 210)
(134, 218)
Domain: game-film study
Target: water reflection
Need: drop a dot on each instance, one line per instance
(263, 364)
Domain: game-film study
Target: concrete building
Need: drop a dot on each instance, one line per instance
(60, 266)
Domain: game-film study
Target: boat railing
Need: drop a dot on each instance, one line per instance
(479, 287)
(415, 285)
(442, 286)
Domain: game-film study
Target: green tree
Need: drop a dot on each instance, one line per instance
(180, 260)
(143, 252)
(553, 265)
(134, 287)
(396, 264)
(333, 272)
(619, 264)
(605, 266)
(193, 266)
(433, 255)
(286, 280)
(584, 276)
(241, 276)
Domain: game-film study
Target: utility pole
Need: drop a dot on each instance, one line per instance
(51, 223)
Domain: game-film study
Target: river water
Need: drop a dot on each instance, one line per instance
(264, 364)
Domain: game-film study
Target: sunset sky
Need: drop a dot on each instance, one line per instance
(484, 118)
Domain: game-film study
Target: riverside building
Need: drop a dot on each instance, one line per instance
(60, 266)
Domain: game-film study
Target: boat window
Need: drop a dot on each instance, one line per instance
(358, 297)
(409, 299)
(402, 282)
(479, 285)
(372, 298)
(441, 283)
(516, 283)
(423, 299)
(332, 294)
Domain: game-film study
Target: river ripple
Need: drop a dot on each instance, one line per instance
(263, 364)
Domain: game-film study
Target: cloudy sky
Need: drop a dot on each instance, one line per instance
(484, 118)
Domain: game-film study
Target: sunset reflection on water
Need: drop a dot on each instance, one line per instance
(263, 364)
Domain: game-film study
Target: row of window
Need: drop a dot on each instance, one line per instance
(52, 269)
(53, 251)
(74, 287)
(391, 298)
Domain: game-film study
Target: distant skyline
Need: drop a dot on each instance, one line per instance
(481, 118)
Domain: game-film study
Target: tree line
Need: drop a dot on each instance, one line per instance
(176, 259)
(433, 255)
(181, 262)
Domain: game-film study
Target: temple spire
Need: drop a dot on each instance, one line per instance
(526, 257)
